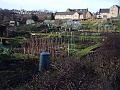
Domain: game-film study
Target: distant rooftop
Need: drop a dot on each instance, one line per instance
(65, 13)
(117, 6)
(77, 10)
(104, 11)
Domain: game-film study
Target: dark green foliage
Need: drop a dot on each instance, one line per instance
(35, 18)
(117, 24)
(33, 28)
(3, 31)
(17, 41)
(5, 53)
(52, 16)
(23, 21)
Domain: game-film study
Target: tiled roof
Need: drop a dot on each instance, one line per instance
(78, 10)
(65, 13)
(104, 11)
(117, 6)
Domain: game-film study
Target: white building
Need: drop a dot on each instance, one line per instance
(113, 11)
(73, 15)
(12, 23)
(67, 15)
(104, 13)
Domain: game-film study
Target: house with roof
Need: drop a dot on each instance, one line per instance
(111, 12)
(115, 11)
(68, 15)
(88, 15)
(74, 14)
(103, 13)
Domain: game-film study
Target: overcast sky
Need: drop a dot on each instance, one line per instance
(57, 5)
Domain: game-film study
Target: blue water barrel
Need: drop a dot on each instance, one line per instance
(44, 63)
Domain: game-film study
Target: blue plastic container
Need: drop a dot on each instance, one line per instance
(44, 63)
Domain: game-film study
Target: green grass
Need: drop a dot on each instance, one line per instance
(94, 38)
(19, 56)
(87, 50)
(82, 52)
(90, 37)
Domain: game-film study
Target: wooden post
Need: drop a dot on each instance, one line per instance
(0, 40)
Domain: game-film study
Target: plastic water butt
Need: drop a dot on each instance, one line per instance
(44, 63)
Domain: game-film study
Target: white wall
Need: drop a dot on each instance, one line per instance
(74, 16)
(114, 11)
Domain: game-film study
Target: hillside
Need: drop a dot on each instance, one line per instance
(99, 70)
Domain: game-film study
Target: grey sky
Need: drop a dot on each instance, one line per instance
(57, 5)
